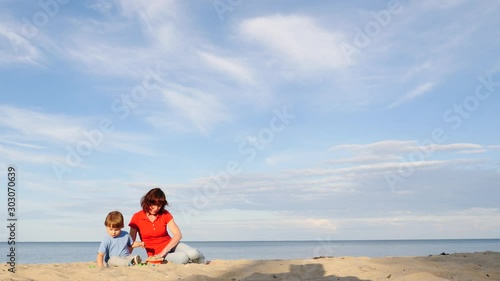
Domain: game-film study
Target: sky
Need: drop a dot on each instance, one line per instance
(260, 120)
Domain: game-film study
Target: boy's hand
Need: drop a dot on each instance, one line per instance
(138, 244)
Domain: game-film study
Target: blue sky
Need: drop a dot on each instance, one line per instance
(261, 120)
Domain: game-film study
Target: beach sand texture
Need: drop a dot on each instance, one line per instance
(456, 267)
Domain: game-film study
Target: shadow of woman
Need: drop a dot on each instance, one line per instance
(305, 272)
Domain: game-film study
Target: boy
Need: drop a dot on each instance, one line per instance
(115, 248)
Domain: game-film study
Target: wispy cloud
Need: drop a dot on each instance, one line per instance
(59, 130)
(159, 22)
(369, 163)
(297, 41)
(16, 48)
(50, 127)
(30, 156)
(228, 67)
(391, 147)
(186, 109)
(441, 5)
(108, 59)
(103, 6)
(420, 90)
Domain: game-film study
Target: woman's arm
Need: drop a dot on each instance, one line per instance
(176, 237)
(133, 234)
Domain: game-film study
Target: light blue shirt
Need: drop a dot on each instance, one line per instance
(116, 246)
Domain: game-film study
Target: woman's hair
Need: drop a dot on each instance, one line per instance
(154, 197)
(114, 220)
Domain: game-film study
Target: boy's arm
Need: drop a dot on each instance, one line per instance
(100, 259)
(137, 244)
(133, 244)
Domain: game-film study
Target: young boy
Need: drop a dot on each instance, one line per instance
(115, 248)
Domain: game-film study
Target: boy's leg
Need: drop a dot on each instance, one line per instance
(136, 260)
(119, 261)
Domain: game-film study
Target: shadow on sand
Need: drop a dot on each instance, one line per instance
(305, 272)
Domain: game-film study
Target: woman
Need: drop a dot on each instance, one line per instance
(151, 223)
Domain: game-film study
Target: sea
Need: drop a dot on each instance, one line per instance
(64, 252)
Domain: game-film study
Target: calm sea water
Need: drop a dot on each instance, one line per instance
(61, 252)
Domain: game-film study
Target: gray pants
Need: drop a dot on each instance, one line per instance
(183, 254)
(120, 261)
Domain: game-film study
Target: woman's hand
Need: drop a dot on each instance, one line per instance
(155, 258)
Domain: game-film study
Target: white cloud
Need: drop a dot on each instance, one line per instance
(297, 40)
(363, 158)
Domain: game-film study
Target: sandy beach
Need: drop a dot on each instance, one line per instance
(457, 267)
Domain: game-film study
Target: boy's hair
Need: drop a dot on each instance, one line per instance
(114, 220)
(154, 197)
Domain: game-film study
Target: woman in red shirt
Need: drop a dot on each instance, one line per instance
(151, 224)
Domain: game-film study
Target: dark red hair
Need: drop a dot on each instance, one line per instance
(154, 197)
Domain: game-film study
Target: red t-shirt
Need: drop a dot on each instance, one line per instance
(153, 234)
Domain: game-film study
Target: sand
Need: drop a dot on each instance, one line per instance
(456, 267)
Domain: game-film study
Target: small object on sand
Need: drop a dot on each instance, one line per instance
(91, 266)
(444, 254)
(156, 259)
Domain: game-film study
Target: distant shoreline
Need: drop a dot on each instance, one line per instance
(340, 240)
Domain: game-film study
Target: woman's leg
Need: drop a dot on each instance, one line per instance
(177, 257)
(193, 254)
